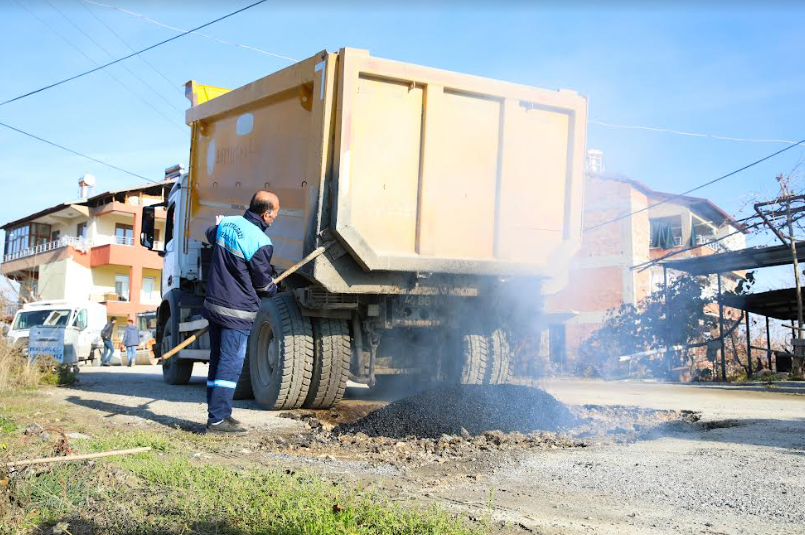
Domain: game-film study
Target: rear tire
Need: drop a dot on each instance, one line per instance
(281, 354)
(499, 368)
(333, 352)
(174, 371)
(472, 355)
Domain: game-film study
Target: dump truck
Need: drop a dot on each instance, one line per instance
(445, 201)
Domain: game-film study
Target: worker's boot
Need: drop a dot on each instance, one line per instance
(226, 427)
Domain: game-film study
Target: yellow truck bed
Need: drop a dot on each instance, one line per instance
(413, 169)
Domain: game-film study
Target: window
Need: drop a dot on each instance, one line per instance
(149, 285)
(28, 319)
(666, 232)
(169, 223)
(80, 321)
(122, 287)
(54, 236)
(81, 230)
(40, 234)
(26, 237)
(17, 239)
(124, 234)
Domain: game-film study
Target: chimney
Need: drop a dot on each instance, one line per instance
(86, 186)
(595, 161)
(174, 171)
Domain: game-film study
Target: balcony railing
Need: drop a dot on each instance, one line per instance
(82, 244)
(77, 243)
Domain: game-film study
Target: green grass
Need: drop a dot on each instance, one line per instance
(165, 492)
(7, 425)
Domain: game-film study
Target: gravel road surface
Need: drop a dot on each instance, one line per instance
(741, 469)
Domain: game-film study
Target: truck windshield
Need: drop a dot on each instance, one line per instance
(33, 318)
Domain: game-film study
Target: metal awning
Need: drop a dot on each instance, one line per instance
(778, 304)
(744, 259)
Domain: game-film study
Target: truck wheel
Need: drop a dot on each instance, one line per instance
(470, 363)
(281, 354)
(332, 354)
(243, 390)
(174, 371)
(499, 370)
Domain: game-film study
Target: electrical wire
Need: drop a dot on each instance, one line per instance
(105, 51)
(124, 58)
(108, 73)
(689, 134)
(62, 147)
(210, 37)
(708, 183)
(131, 48)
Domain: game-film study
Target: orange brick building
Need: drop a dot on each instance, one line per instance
(601, 275)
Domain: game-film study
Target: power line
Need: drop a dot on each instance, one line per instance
(131, 48)
(105, 51)
(146, 49)
(62, 147)
(206, 36)
(709, 183)
(108, 73)
(691, 134)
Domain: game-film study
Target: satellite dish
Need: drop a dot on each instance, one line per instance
(87, 180)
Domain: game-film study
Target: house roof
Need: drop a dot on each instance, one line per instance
(95, 200)
(778, 304)
(740, 260)
(699, 205)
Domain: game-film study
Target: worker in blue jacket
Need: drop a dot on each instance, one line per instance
(240, 274)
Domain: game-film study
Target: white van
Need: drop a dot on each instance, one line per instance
(70, 329)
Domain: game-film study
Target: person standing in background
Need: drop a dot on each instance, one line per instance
(131, 339)
(106, 336)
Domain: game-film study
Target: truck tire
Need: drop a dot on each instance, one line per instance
(174, 371)
(281, 354)
(499, 368)
(332, 354)
(243, 390)
(470, 359)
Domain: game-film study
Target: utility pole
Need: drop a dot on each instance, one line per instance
(786, 199)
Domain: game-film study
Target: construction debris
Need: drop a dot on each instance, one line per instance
(466, 410)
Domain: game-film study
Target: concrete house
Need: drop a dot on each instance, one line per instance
(601, 276)
(88, 249)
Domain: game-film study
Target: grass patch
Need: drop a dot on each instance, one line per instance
(18, 373)
(167, 494)
(7, 425)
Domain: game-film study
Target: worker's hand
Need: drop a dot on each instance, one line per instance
(268, 290)
(218, 219)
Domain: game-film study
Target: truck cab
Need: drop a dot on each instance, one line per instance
(47, 326)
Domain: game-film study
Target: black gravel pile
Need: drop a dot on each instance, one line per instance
(465, 410)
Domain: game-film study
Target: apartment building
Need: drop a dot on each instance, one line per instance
(602, 275)
(88, 248)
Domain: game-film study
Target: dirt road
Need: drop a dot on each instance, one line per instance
(741, 469)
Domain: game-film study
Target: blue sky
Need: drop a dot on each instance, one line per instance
(719, 69)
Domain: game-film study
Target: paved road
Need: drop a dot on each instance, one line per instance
(743, 472)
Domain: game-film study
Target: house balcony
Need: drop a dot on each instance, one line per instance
(102, 249)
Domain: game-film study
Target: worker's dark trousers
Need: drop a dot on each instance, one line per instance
(227, 351)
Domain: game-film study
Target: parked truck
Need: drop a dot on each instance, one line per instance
(445, 201)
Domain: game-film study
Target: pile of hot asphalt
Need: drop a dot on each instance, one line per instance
(466, 410)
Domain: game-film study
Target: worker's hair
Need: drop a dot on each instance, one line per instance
(113, 320)
(260, 205)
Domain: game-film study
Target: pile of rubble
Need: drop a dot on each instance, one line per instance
(465, 410)
(466, 423)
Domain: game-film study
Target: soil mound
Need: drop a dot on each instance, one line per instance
(465, 409)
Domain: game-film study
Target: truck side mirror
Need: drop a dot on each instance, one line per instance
(147, 233)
